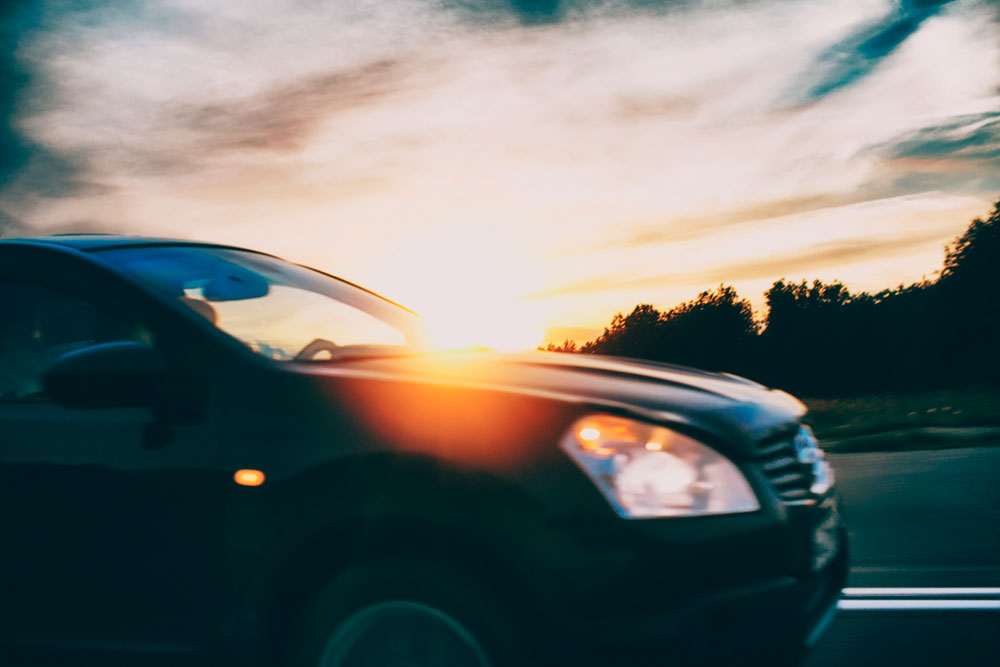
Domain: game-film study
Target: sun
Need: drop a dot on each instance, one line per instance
(469, 285)
(504, 327)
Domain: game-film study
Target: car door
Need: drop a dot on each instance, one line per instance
(110, 517)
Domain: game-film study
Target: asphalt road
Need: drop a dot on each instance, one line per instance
(919, 519)
(910, 639)
(923, 518)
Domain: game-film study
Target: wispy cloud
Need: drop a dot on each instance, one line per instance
(683, 229)
(968, 139)
(815, 259)
(860, 52)
(577, 138)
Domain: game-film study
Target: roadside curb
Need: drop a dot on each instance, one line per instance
(915, 439)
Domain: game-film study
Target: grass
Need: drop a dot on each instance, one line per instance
(840, 418)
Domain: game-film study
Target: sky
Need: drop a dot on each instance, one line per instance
(515, 168)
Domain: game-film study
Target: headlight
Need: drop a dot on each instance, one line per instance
(651, 471)
(807, 452)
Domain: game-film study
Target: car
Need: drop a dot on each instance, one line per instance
(210, 454)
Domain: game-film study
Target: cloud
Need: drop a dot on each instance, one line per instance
(537, 11)
(578, 138)
(972, 138)
(282, 119)
(808, 261)
(190, 135)
(10, 226)
(858, 54)
(682, 229)
(867, 245)
(194, 87)
(16, 20)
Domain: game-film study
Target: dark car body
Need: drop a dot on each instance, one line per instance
(126, 535)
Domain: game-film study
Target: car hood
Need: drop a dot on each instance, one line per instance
(722, 406)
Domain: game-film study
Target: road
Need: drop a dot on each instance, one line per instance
(923, 518)
(919, 519)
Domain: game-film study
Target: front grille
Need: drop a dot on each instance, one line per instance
(788, 476)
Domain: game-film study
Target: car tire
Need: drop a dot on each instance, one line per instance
(408, 612)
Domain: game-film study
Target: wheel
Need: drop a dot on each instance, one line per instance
(405, 613)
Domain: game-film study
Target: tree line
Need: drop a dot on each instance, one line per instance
(821, 339)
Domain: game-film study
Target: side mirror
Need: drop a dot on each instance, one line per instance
(110, 375)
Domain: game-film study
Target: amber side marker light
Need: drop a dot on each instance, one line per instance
(249, 477)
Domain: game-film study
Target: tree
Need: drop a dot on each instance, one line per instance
(970, 262)
(715, 331)
(632, 335)
(820, 339)
(969, 314)
(566, 346)
(804, 337)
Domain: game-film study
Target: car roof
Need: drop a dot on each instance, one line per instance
(93, 242)
(88, 242)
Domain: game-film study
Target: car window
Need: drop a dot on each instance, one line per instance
(40, 324)
(279, 310)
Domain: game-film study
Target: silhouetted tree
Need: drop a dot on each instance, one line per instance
(820, 339)
(970, 299)
(804, 332)
(632, 335)
(715, 331)
(970, 263)
(566, 346)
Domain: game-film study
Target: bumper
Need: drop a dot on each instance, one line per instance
(765, 612)
(786, 616)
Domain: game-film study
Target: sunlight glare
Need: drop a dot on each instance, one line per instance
(501, 327)
(468, 282)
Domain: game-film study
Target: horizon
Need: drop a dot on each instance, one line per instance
(518, 168)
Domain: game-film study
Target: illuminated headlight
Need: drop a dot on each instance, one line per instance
(650, 471)
(807, 452)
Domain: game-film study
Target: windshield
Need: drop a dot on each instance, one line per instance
(279, 310)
